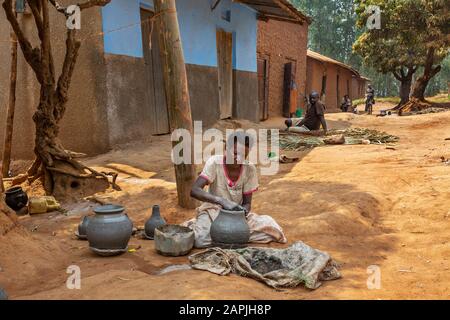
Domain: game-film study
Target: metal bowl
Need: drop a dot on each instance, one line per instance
(174, 240)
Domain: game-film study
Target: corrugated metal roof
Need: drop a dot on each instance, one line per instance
(320, 57)
(277, 8)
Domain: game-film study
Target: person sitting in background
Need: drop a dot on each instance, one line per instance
(314, 117)
(346, 103)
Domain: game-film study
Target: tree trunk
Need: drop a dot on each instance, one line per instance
(177, 93)
(405, 79)
(7, 146)
(429, 72)
(419, 88)
(405, 90)
(63, 176)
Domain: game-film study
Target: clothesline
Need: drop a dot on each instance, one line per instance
(151, 20)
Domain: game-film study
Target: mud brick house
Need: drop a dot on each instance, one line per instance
(117, 93)
(282, 47)
(333, 79)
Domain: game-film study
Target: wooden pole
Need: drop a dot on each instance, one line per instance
(176, 88)
(7, 146)
(2, 186)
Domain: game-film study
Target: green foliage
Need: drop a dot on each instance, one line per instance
(408, 28)
(395, 45)
(439, 83)
(333, 31)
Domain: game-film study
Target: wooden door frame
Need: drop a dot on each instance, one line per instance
(225, 95)
(148, 74)
(337, 91)
(156, 126)
(265, 111)
(287, 83)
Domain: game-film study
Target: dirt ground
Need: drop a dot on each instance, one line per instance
(364, 204)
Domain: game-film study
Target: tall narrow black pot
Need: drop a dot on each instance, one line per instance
(154, 222)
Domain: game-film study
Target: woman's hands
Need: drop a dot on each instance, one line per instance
(230, 205)
(198, 193)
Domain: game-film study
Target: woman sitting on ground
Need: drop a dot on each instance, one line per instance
(231, 185)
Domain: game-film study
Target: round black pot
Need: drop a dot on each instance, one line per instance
(230, 229)
(109, 231)
(16, 198)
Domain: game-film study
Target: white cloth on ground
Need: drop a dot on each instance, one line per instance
(278, 268)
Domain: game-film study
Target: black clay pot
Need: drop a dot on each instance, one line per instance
(82, 228)
(3, 295)
(109, 231)
(230, 229)
(154, 222)
(16, 198)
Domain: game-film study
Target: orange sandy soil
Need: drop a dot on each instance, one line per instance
(363, 204)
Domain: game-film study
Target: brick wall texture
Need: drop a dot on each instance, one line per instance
(281, 42)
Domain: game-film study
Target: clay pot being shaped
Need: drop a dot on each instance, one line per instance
(109, 231)
(230, 229)
(154, 222)
(82, 228)
(16, 198)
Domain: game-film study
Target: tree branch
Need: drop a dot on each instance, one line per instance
(70, 58)
(412, 70)
(397, 76)
(58, 7)
(47, 60)
(32, 56)
(83, 5)
(435, 71)
(429, 60)
(72, 47)
(37, 17)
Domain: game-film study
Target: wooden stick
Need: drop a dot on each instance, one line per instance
(7, 146)
(2, 186)
(177, 93)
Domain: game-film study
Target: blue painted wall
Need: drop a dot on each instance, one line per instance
(121, 25)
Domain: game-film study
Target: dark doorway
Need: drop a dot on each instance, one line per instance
(337, 92)
(324, 86)
(289, 89)
(155, 78)
(263, 88)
